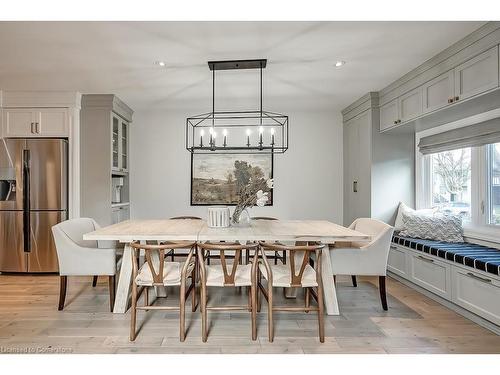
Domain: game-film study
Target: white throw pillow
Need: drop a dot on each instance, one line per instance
(404, 209)
(447, 228)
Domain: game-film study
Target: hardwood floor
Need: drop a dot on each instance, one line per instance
(29, 320)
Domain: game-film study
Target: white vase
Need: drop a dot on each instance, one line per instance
(218, 217)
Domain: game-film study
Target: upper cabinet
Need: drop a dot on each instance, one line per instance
(402, 109)
(119, 140)
(389, 114)
(438, 92)
(470, 77)
(477, 75)
(410, 105)
(30, 122)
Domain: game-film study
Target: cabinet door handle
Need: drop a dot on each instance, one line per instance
(355, 186)
(393, 247)
(395, 122)
(483, 279)
(450, 100)
(31, 128)
(457, 98)
(37, 128)
(426, 259)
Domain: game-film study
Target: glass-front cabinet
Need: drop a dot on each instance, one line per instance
(124, 146)
(115, 144)
(119, 161)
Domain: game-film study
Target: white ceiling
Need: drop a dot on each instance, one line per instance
(118, 57)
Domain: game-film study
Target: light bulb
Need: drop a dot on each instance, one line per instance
(261, 130)
(214, 134)
(249, 132)
(224, 132)
(202, 132)
(211, 130)
(272, 131)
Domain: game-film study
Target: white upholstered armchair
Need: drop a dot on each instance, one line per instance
(365, 259)
(83, 258)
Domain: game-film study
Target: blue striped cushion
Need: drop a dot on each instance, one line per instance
(476, 256)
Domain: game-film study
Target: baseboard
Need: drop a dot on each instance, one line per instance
(458, 309)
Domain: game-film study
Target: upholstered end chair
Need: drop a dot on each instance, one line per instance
(78, 257)
(365, 259)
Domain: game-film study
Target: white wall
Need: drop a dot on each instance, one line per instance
(308, 177)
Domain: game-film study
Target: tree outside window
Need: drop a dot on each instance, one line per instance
(494, 184)
(451, 182)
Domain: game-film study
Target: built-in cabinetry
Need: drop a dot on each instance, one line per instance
(469, 288)
(120, 129)
(438, 92)
(120, 212)
(469, 69)
(105, 129)
(378, 169)
(39, 114)
(35, 122)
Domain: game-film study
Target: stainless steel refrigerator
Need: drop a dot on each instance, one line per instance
(33, 198)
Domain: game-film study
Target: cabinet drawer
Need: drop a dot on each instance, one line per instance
(119, 214)
(398, 261)
(477, 293)
(431, 274)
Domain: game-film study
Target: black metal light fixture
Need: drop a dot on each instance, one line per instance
(237, 132)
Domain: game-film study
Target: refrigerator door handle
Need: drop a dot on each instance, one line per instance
(26, 201)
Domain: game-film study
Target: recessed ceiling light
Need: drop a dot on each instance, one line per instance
(339, 63)
(160, 63)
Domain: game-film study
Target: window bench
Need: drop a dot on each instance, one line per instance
(467, 275)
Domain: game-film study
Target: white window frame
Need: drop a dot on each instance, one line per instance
(479, 227)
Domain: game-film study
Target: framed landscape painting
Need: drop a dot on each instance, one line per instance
(216, 179)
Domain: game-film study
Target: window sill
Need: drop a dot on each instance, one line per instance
(483, 233)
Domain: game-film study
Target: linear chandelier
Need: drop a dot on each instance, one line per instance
(237, 132)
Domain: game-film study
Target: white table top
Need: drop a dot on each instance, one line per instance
(197, 230)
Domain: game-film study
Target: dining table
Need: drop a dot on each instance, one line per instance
(286, 231)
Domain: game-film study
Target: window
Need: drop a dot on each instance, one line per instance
(493, 184)
(464, 182)
(450, 175)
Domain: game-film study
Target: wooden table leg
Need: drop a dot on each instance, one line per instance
(124, 282)
(329, 292)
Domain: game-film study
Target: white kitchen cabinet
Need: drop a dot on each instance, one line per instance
(358, 161)
(438, 92)
(372, 161)
(104, 138)
(18, 122)
(29, 122)
(410, 105)
(389, 114)
(119, 214)
(124, 146)
(119, 139)
(477, 75)
(53, 122)
(477, 293)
